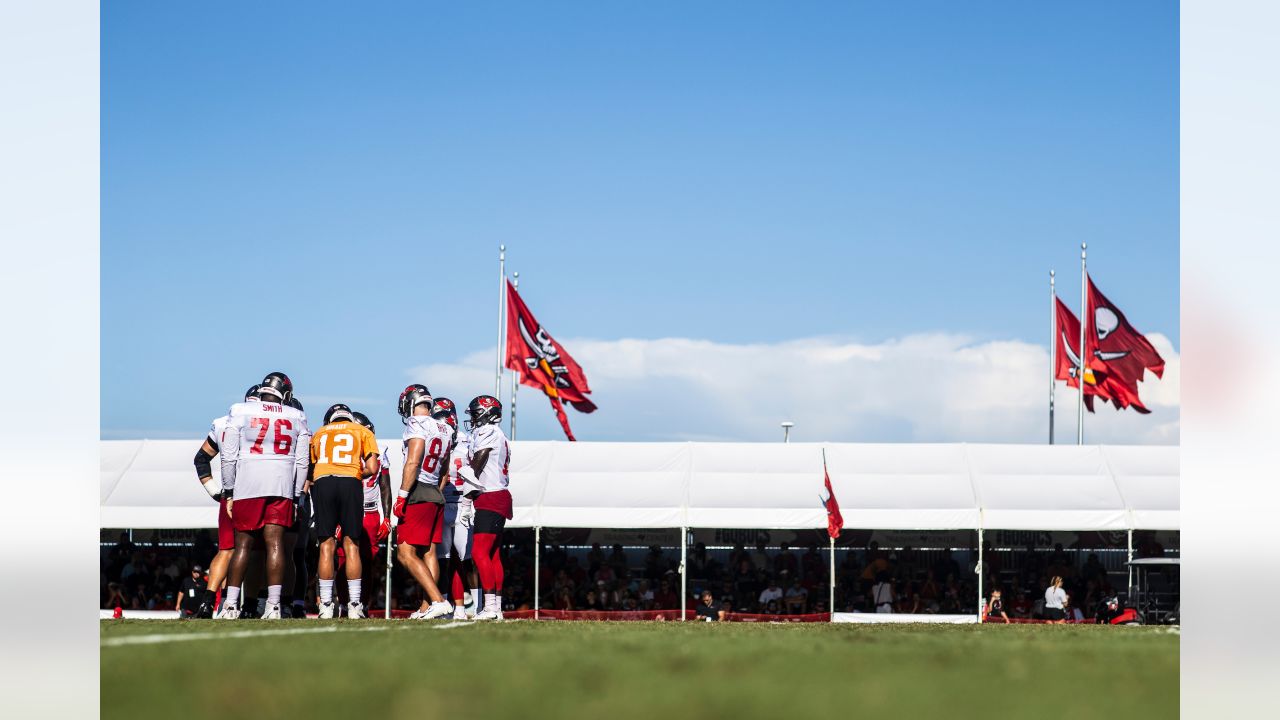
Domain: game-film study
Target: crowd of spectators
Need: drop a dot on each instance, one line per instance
(148, 577)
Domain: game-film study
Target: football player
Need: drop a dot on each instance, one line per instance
(490, 459)
(420, 503)
(264, 468)
(455, 545)
(377, 507)
(226, 535)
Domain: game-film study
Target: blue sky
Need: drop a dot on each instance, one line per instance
(323, 192)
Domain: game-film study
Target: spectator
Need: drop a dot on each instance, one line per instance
(595, 558)
(707, 610)
(771, 593)
(785, 562)
(618, 561)
(797, 598)
(773, 608)
(908, 602)
(811, 562)
(115, 596)
(1055, 601)
(995, 608)
(737, 555)
(564, 599)
(1021, 607)
(931, 594)
(882, 595)
(760, 558)
(645, 595)
(654, 563)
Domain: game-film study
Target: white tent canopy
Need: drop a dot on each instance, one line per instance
(151, 484)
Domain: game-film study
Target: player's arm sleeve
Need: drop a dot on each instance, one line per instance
(230, 453)
(302, 462)
(204, 462)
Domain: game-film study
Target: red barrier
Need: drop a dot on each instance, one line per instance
(756, 617)
(995, 620)
(659, 615)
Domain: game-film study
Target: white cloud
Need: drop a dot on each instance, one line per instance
(922, 388)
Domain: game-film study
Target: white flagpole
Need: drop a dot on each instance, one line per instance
(1084, 322)
(1053, 349)
(386, 600)
(684, 571)
(502, 316)
(537, 569)
(515, 379)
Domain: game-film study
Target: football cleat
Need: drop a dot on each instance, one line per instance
(355, 611)
(484, 410)
(413, 396)
(363, 420)
(298, 611)
(229, 612)
(272, 612)
(326, 611)
(204, 612)
(459, 613)
(445, 411)
(438, 610)
(338, 412)
(417, 614)
(278, 385)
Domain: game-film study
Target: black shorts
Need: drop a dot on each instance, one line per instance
(338, 500)
(488, 522)
(1054, 614)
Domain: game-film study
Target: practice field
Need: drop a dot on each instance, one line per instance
(655, 670)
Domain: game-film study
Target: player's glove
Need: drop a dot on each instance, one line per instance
(401, 498)
(383, 530)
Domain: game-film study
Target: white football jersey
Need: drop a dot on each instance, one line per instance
(438, 437)
(216, 429)
(265, 450)
(455, 488)
(494, 476)
(372, 496)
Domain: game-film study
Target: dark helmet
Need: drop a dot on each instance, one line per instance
(278, 384)
(484, 410)
(295, 403)
(444, 409)
(251, 393)
(338, 412)
(413, 396)
(363, 420)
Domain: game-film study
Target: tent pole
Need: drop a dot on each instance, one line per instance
(1129, 565)
(982, 598)
(684, 576)
(831, 599)
(386, 597)
(537, 567)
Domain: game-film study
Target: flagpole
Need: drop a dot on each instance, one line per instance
(1053, 348)
(1084, 320)
(515, 374)
(502, 297)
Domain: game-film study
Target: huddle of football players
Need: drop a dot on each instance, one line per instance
(280, 481)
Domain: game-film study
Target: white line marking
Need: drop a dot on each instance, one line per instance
(460, 623)
(181, 637)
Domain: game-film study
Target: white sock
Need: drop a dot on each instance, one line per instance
(233, 597)
(497, 603)
(476, 599)
(273, 594)
(353, 590)
(326, 591)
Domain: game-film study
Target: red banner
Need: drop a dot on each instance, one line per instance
(542, 363)
(835, 521)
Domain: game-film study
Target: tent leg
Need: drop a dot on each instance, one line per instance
(982, 598)
(831, 584)
(537, 567)
(386, 598)
(684, 576)
(1129, 565)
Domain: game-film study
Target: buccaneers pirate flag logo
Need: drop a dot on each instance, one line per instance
(542, 363)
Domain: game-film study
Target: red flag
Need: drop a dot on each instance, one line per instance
(835, 522)
(542, 363)
(1067, 360)
(1117, 351)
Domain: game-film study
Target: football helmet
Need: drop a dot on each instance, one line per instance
(414, 395)
(278, 384)
(295, 403)
(338, 412)
(251, 393)
(444, 409)
(363, 420)
(484, 410)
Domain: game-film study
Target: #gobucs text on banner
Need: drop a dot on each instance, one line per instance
(542, 363)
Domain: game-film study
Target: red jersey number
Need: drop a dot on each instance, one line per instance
(283, 441)
(435, 453)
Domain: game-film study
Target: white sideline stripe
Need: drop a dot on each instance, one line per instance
(182, 637)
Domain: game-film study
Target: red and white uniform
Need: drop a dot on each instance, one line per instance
(459, 510)
(226, 533)
(373, 502)
(265, 453)
(494, 478)
(423, 522)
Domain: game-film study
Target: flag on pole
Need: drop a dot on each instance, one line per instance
(1067, 359)
(542, 363)
(1117, 352)
(835, 522)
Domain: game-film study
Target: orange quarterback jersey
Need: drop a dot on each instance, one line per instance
(340, 449)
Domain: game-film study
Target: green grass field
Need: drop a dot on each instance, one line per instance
(608, 671)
